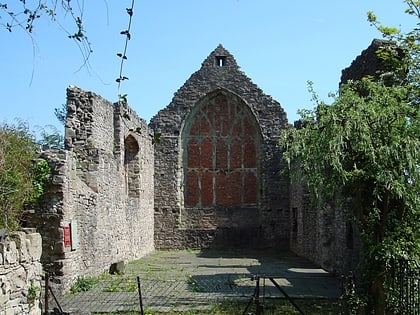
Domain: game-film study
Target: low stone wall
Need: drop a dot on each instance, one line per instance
(20, 273)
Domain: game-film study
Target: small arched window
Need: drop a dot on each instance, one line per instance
(132, 166)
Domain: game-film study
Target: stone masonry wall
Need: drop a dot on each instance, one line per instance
(20, 273)
(98, 207)
(324, 235)
(368, 63)
(179, 225)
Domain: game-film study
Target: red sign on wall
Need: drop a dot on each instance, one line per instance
(67, 239)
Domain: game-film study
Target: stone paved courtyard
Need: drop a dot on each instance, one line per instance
(191, 279)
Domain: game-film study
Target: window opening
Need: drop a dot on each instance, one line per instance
(132, 167)
(220, 60)
(294, 223)
(221, 161)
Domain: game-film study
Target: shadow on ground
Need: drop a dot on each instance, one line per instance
(184, 280)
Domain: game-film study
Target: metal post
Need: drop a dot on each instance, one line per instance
(286, 295)
(47, 284)
(258, 308)
(140, 296)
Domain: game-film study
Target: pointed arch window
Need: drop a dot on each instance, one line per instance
(221, 145)
(132, 166)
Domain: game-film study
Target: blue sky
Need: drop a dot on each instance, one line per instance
(279, 44)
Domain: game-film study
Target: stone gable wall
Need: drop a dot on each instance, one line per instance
(271, 227)
(20, 270)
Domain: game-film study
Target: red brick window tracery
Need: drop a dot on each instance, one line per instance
(221, 155)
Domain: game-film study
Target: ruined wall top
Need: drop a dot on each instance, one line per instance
(219, 71)
(94, 122)
(368, 63)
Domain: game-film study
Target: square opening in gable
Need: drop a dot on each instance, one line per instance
(220, 61)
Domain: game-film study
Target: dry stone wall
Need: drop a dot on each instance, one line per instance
(20, 273)
(98, 208)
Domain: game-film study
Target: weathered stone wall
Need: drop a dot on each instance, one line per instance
(20, 273)
(98, 208)
(263, 221)
(368, 63)
(324, 235)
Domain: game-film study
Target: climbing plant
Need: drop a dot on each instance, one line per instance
(123, 55)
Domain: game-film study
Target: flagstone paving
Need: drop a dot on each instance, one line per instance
(194, 279)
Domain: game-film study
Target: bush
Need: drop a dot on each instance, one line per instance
(22, 176)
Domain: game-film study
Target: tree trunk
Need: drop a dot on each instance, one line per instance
(378, 294)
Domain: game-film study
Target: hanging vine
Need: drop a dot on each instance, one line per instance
(123, 55)
(24, 14)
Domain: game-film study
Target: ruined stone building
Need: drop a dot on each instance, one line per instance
(217, 180)
(214, 180)
(98, 206)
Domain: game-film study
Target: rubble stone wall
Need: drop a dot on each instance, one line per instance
(98, 207)
(227, 208)
(20, 273)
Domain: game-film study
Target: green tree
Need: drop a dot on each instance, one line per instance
(364, 149)
(22, 175)
(50, 138)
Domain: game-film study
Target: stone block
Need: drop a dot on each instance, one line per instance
(10, 253)
(12, 307)
(4, 290)
(19, 279)
(117, 268)
(34, 246)
(20, 239)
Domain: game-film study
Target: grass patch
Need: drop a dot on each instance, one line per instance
(83, 284)
(312, 307)
(121, 285)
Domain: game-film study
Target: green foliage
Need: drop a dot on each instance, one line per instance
(61, 114)
(50, 138)
(122, 97)
(364, 150)
(40, 171)
(408, 43)
(83, 284)
(22, 176)
(33, 292)
(352, 302)
(127, 34)
(155, 137)
(121, 285)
